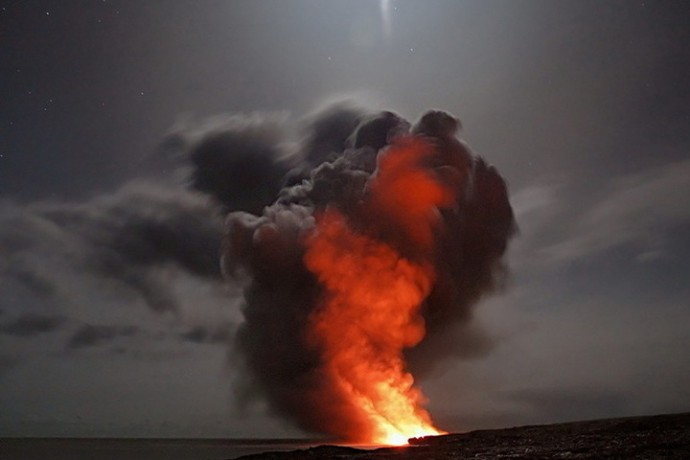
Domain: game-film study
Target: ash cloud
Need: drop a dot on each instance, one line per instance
(266, 251)
(153, 242)
(238, 160)
(271, 177)
(328, 131)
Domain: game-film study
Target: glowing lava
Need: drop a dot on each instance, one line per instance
(373, 292)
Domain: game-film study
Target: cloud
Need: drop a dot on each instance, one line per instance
(31, 324)
(132, 270)
(638, 210)
(586, 332)
(150, 243)
(240, 160)
(219, 333)
(90, 335)
(122, 239)
(328, 129)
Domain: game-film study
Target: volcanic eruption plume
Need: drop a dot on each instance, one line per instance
(365, 266)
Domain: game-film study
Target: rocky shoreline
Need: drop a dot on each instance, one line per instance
(630, 438)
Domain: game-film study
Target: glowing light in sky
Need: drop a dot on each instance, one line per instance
(386, 18)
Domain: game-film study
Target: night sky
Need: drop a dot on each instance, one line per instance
(112, 322)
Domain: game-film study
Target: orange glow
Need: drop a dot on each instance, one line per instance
(408, 194)
(373, 294)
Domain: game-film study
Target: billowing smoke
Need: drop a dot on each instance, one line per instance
(363, 242)
(71, 267)
(442, 211)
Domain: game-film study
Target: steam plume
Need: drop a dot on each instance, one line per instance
(449, 217)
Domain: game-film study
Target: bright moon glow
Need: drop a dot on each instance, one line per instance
(386, 18)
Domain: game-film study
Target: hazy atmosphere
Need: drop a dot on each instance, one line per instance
(129, 130)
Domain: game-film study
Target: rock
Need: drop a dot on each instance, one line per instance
(632, 438)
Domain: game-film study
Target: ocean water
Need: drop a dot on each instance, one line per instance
(140, 449)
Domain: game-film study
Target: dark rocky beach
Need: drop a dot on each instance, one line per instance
(649, 437)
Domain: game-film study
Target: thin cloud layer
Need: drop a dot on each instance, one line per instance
(638, 209)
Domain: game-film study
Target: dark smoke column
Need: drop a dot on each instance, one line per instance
(469, 236)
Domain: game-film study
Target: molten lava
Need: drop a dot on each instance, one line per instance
(375, 281)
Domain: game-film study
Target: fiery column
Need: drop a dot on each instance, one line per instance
(373, 294)
(365, 260)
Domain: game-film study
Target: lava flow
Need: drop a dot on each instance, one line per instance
(375, 281)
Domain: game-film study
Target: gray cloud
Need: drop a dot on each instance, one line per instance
(121, 238)
(239, 160)
(639, 209)
(216, 334)
(31, 324)
(90, 335)
(328, 129)
(149, 243)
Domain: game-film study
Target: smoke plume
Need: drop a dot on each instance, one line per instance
(366, 266)
(143, 245)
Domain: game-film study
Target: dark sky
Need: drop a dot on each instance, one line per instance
(584, 107)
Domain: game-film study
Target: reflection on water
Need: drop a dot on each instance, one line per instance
(141, 449)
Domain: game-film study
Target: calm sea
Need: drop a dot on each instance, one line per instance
(139, 449)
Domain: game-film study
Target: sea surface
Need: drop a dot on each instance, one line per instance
(140, 449)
